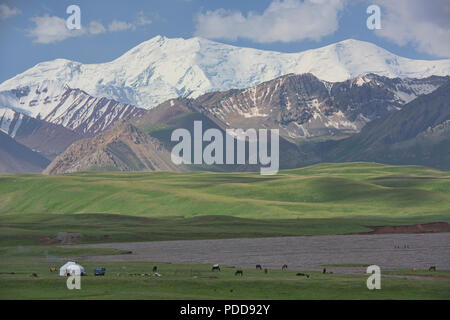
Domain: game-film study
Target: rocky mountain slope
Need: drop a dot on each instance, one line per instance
(300, 102)
(144, 143)
(46, 138)
(122, 148)
(15, 157)
(160, 69)
(419, 133)
(56, 103)
(305, 106)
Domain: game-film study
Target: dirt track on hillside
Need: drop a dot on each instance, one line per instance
(389, 251)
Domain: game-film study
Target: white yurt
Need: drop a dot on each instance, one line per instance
(71, 268)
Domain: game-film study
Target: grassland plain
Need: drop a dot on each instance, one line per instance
(182, 281)
(320, 199)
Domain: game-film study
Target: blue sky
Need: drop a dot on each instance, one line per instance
(29, 33)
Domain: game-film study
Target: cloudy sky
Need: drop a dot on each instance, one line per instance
(35, 31)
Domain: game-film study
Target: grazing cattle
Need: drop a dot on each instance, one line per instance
(240, 272)
(302, 275)
(284, 267)
(258, 266)
(265, 270)
(432, 268)
(155, 268)
(215, 267)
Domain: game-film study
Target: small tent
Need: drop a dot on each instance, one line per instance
(71, 268)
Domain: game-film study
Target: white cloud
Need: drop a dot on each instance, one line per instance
(96, 27)
(142, 19)
(49, 29)
(422, 24)
(117, 25)
(7, 12)
(283, 20)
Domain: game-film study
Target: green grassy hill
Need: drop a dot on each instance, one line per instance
(320, 191)
(142, 206)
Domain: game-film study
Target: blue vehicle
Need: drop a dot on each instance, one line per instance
(99, 271)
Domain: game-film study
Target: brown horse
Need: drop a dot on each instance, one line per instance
(284, 267)
(432, 268)
(302, 275)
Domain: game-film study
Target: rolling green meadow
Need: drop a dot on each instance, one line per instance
(321, 191)
(150, 206)
(142, 206)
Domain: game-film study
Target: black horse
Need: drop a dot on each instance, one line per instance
(259, 267)
(240, 272)
(155, 268)
(215, 267)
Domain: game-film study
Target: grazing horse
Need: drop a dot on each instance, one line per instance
(302, 275)
(432, 268)
(239, 272)
(324, 270)
(215, 267)
(265, 270)
(258, 266)
(155, 268)
(284, 267)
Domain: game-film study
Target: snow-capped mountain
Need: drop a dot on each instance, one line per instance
(162, 68)
(57, 103)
